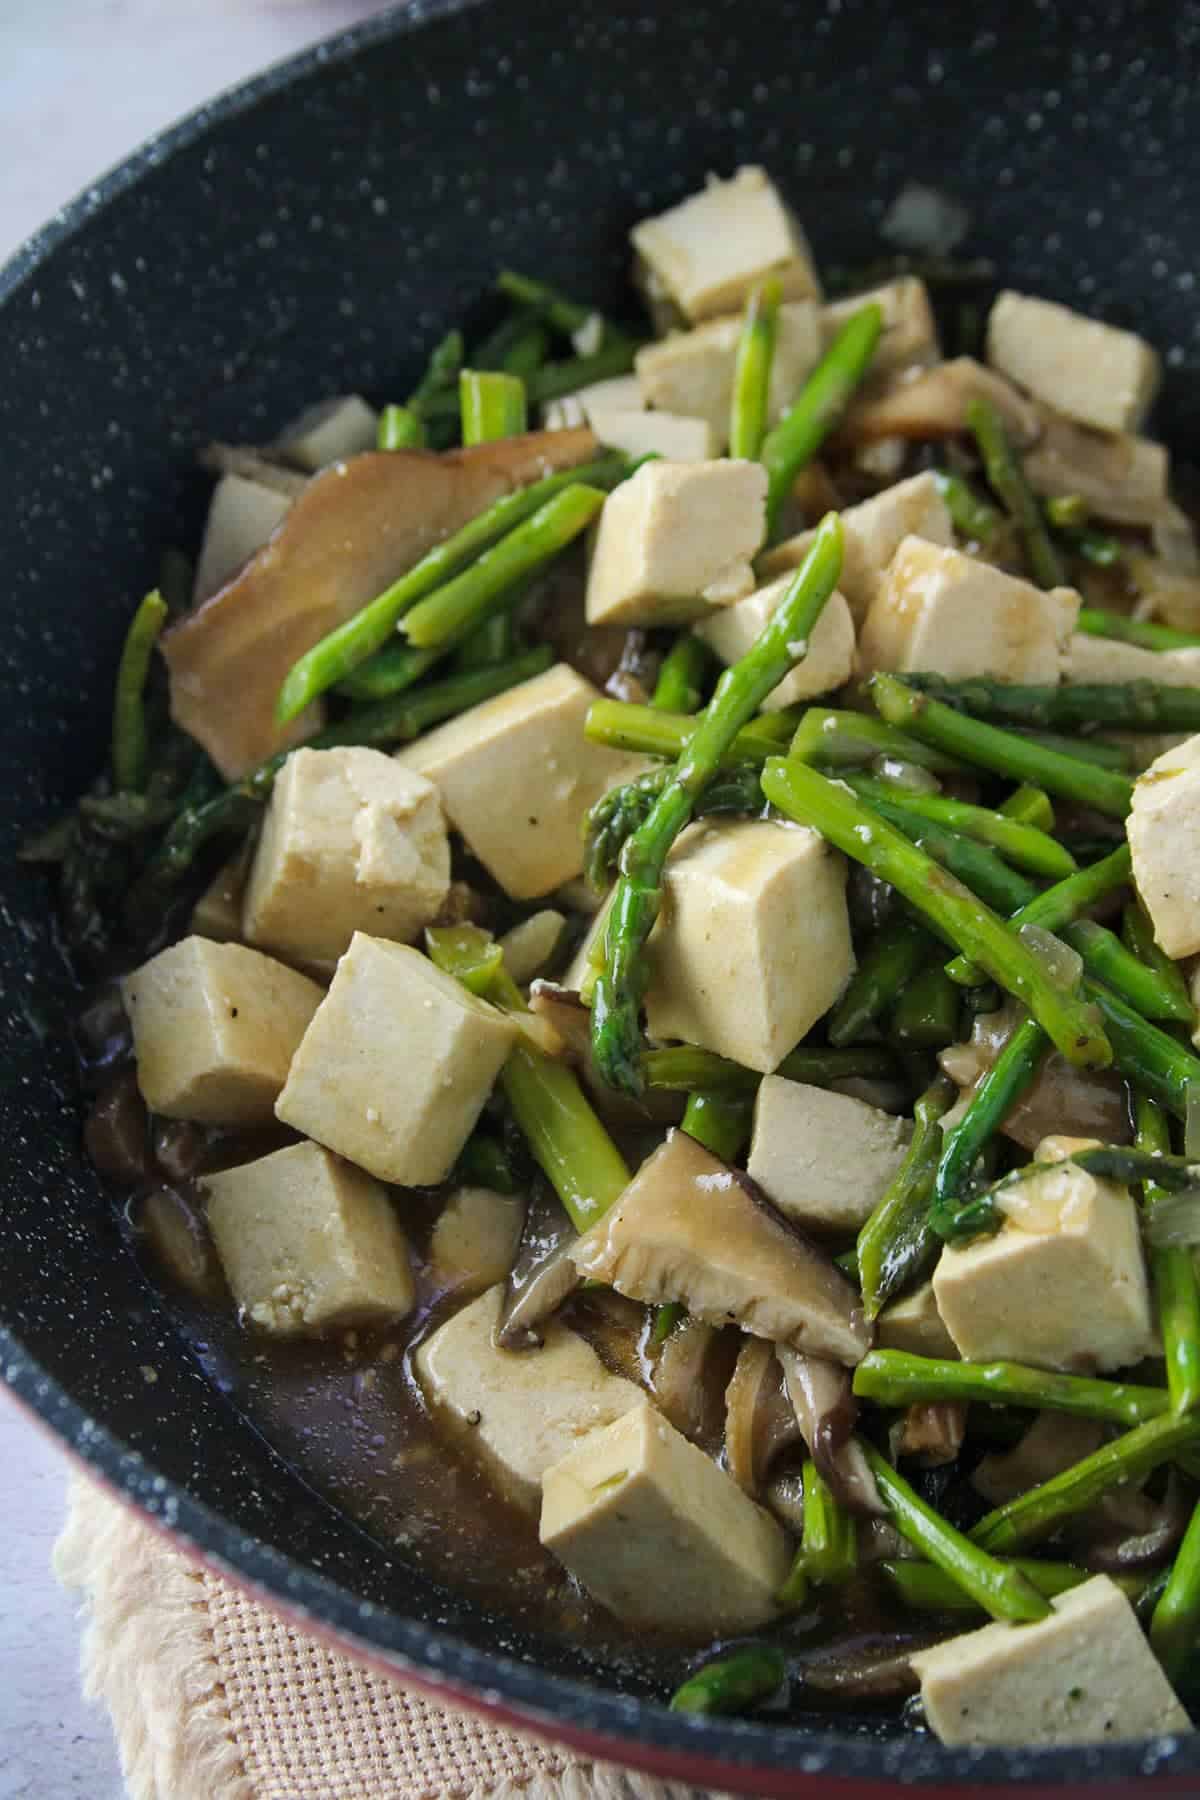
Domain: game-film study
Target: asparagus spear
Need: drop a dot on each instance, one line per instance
(1023, 845)
(994, 1098)
(554, 379)
(904, 704)
(752, 370)
(452, 612)
(971, 515)
(1127, 1460)
(1098, 751)
(926, 1589)
(1138, 936)
(829, 1545)
(818, 407)
(950, 908)
(999, 1588)
(1007, 480)
(1134, 631)
(895, 1244)
(1175, 1625)
(525, 353)
(130, 733)
(1058, 905)
(490, 642)
(567, 1139)
(733, 1683)
(651, 732)
(1174, 1273)
(615, 817)
(400, 428)
(666, 1317)
(895, 1378)
(566, 315)
(836, 740)
(1072, 707)
(483, 1162)
(1154, 1062)
(884, 970)
(741, 690)
(925, 1015)
(683, 675)
(1029, 806)
(343, 649)
(436, 394)
(684, 1068)
(1157, 992)
(493, 405)
(719, 1119)
(978, 867)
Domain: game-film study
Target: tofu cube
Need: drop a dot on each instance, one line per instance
(352, 841)
(874, 531)
(1163, 829)
(474, 1239)
(215, 1027)
(329, 432)
(521, 1411)
(308, 1243)
(937, 609)
(910, 335)
(753, 943)
(827, 659)
(823, 1159)
(913, 1323)
(710, 251)
(396, 1065)
(1085, 1675)
(1109, 660)
(241, 517)
(675, 541)
(670, 435)
(217, 914)
(1062, 1284)
(1122, 477)
(691, 372)
(632, 1508)
(517, 777)
(1091, 372)
(622, 394)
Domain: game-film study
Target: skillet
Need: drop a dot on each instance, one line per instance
(313, 232)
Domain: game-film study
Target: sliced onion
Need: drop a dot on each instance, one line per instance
(1174, 1223)
(908, 775)
(1063, 965)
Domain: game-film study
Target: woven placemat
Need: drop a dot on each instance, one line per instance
(212, 1697)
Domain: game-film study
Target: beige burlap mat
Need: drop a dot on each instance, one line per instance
(212, 1697)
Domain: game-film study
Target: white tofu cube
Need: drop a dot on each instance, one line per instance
(1122, 478)
(1085, 1675)
(396, 1065)
(913, 1323)
(1091, 372)
(937, 609)
(622, 394)
(910, 336)
(352, 841)
(691, 372)
(217, 914)
(241, 517)
(517, 777)
(1163, 829)
(1108, 659)
(1062, 1284)
(520, 1411)
(633, 1507)
(474, 1239)
(669, 435)
(675, 541)
(215, 1027)
(752, 946)
(827, 660)
(711, 250)
(308, 1243)
(874, 531)
(823, 1159)
(329, 432)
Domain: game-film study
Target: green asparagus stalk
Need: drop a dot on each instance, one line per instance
(951, 909)
(1100, 752)
(451, 613)
(1153, 1061)
(719, 1120)
(752, 370)
(885, 968)
(1029, 806)
(567, 1139)
(1007, 480)
(1142, 632)
(971, 515)
(440, 377)
(829, 1544)
(1059, 905)
(925, 1589)
(1065, 512)
(999, 1588)
(741, 690)
(525, 353)
(905, 705)
(925, 1015)
(130, 733)
(1176, 1290)
(666, 1317)
(484, 1163)
(341, 651)
(733, 1683)
(1023, 845)
(1072, 707)
(994, 1098)
(1126, 1461)
(794, 1595)
(391, 671)
(895, 1245)
(493, 405)
(895, 1378)
(651, 732)
(1094, 546)
(400, 428)
(564, 314)
(684, 1068)
(975, 865)
(683, 675)
(1156, 992)
(835, 740)
(1137, 933)
(820, 404)
(490, 642)
(554, 379)
(1175, 1625)
(619, 813)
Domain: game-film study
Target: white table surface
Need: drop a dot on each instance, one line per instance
(81, 83)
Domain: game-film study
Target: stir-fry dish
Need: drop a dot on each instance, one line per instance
(639, 981)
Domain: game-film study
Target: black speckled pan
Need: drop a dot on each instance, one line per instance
(310, 233)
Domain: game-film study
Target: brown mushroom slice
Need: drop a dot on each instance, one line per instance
(932, 1431)
(542, 1276)
(690, 1379)
(1052, 1443)
(783, 1495)
(354, 530)
(760, 1420)
(932, 403)
(690, 1228)
(1059, 1099)
(1123, 478)
(823, 1400)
